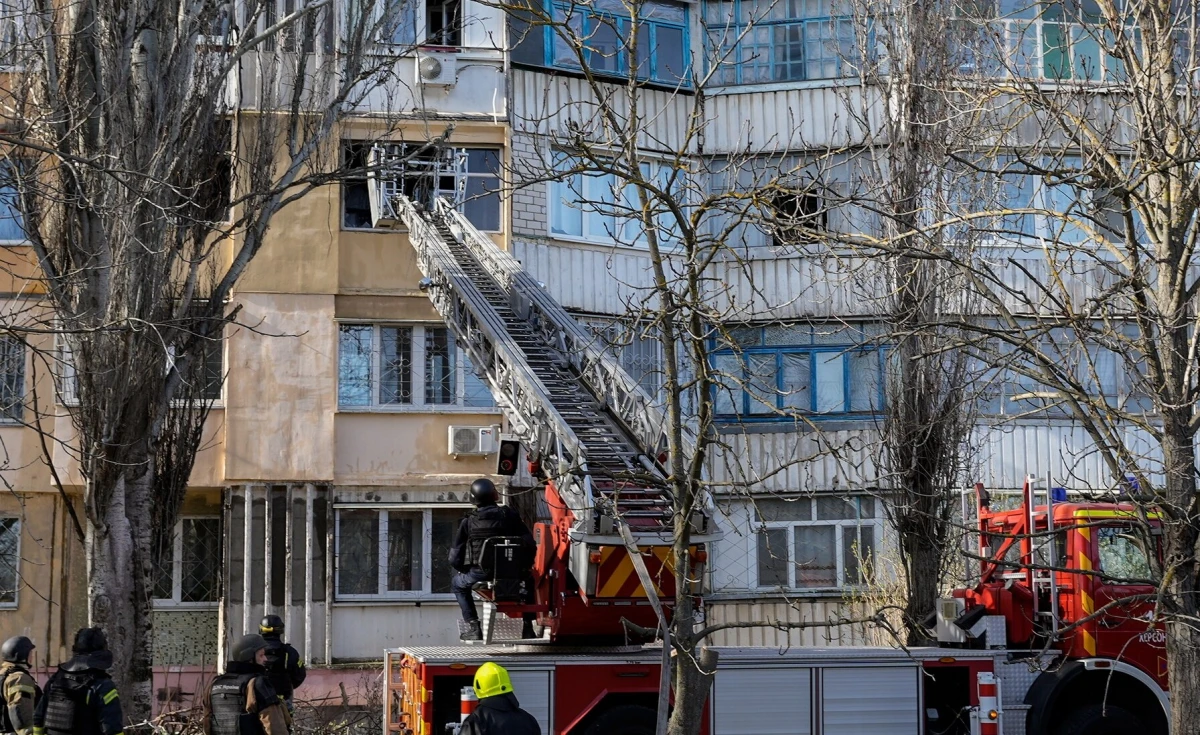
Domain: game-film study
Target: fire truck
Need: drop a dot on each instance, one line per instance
(1052, 638)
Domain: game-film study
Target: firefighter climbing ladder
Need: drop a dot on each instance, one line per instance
(592, 427)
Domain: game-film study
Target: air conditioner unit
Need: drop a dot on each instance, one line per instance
(473, 440)
(436, 67)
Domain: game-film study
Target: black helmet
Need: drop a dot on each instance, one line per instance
(90, 640)
(247, 646)
(271, 625)
(483, 492)
(16, 649)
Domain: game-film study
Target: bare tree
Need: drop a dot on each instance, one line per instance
(151, 145)
(624, 143)
(1087, 285)
(906, 56)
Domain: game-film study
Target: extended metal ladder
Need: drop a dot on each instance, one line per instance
(591, 426)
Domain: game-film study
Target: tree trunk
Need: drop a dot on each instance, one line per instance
(1181, 533)
(922, 565)
(692, 678)
(118, 561)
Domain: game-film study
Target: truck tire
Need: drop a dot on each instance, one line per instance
(1096, 719)
(625, 719)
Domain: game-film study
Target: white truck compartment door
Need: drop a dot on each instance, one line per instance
(880, 700)
(533, 692)
(776, 701)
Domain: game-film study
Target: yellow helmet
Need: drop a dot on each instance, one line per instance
(491, 679)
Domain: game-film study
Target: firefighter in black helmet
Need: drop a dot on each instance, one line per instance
(284, 666)
(81, 697)
(242, 701)
(488, 520)
(21, 692)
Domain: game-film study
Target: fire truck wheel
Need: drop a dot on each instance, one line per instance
(626, 719)
(1095, 719)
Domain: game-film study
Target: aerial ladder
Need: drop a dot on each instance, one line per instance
(589, 429)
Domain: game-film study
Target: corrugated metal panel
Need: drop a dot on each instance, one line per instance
(1009, 452)
(596, 280)
(361, 632)
(797, 461)
(533, 692)
(796, 610)
(606, 280)
(787, 119)
(879, 700)
(790, 287)
(748, 702)
(546, 103)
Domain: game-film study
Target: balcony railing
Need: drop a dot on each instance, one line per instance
(783, 51)
(772, 51)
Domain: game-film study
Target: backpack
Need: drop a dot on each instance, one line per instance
(67, 707)
(6, 724)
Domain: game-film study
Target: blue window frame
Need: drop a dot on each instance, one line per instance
(785, 41)
(656, 48)
(778, 372)
(12, 222)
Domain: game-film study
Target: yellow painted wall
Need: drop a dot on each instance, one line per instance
(50, 601)
(282, 389)
(394, 448)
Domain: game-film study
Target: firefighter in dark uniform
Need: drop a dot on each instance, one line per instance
(21, 692)
(488, 520)
(81, 698)
(498, 712)
(284, 666)
(242, 701)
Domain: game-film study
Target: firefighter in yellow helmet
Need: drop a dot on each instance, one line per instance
(498, 712)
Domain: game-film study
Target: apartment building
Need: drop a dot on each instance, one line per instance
(782, 90)
(348, 428)
(349, 425)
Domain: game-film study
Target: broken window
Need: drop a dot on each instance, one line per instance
(799, 218)
(443, 22)
(468, 177)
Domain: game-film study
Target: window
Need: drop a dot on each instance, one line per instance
(10, 560)
(190, 571)
(12, 379)
(815, 543)
(1039, 40)
(1111, 371)
(385, 366)
(799, 218)
(784, 41)
(1056, 207)
(655, 48)
(775, 372)
(592, 206)
(14, 30)
(400, 22)
(637, 349)
(12, 222)
(395, 553)
(1122, 554)
(211, 195)
(316, 24)
(210, 371)
(470, 177)
(443, 23)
